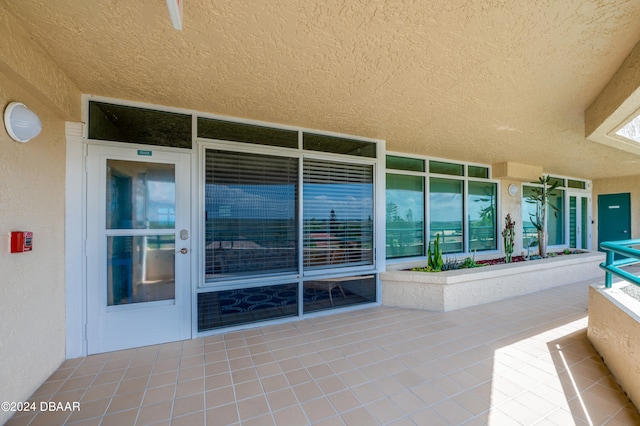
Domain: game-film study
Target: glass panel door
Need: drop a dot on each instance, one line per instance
(579, 228)
(138, 250)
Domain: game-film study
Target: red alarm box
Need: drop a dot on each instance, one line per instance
(21, 241)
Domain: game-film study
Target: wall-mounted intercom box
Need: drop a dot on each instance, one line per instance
(21, 241)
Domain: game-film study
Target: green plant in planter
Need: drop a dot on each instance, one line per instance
(434, 258)
(508, 234)
(540, 198)
(470, 263)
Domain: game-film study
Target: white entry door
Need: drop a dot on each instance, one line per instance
(138, 247)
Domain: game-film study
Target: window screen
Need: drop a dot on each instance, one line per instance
(338, 214)
(251, 214)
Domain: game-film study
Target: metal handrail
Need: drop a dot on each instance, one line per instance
(612, 267)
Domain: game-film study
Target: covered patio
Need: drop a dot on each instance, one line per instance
(167, 283)
(523, 361)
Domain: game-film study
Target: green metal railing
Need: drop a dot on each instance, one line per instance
(612, 266)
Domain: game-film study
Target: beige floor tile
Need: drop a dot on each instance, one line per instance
(318, 409)
(109, 376)
(344, 401)
(125, 402)
(218, 397)
(240, 363)
(216, 381)
(99, 392)
(223, 415)
(307, 391)
(121, 418)
(159, 394)
(332, 421)
(274, 383)
(281, 399)
(186, 405)
(90, 409)
(248, 389)
(523, 360)
(471, 402)
(262, 420)
(384, 411)
(252, 407)
(150, 414)
(190, 387)
(358, 417)
(189, 373)
(292, 416)
(163, 379)
(330, 384)
(268, 369)
(191, 419)
(76, 383)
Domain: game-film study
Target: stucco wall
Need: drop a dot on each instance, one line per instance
(614, 331)
(32, 286)
(511, 204)
(630, 184)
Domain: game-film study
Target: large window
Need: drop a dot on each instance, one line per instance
(338, 214)
(461, 208)
(555, 218)
(251, 214)
(405, 215)
(446, 213)
(482, 216)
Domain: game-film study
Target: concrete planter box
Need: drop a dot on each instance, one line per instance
(614, 331)
(450, 290)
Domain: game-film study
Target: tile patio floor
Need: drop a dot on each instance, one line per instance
(523, 361)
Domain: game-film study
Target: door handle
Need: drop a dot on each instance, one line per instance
(183, 250)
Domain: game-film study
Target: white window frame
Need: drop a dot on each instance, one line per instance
(427, 222)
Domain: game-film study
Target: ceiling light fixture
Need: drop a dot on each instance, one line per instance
(21, 123)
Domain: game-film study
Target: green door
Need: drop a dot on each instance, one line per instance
(614, 217)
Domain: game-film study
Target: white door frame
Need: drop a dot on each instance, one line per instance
(113, 328)
(579, 194)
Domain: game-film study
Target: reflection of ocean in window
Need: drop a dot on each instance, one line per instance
(338, 213)
(405, 216)
(251, 214)
(446, 213)
(481, 210)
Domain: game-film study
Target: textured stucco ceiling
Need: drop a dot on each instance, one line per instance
(476, 80)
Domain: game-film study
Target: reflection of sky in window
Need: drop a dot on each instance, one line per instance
(161, 192)
(407, 200)
(476, 204)
(251, 201)
(157, 205)
(349, 201)
(445, 207)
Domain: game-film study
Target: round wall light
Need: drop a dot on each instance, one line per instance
(513, 190)
(21, 123)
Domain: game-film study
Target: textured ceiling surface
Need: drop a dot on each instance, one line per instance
(476, 80)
